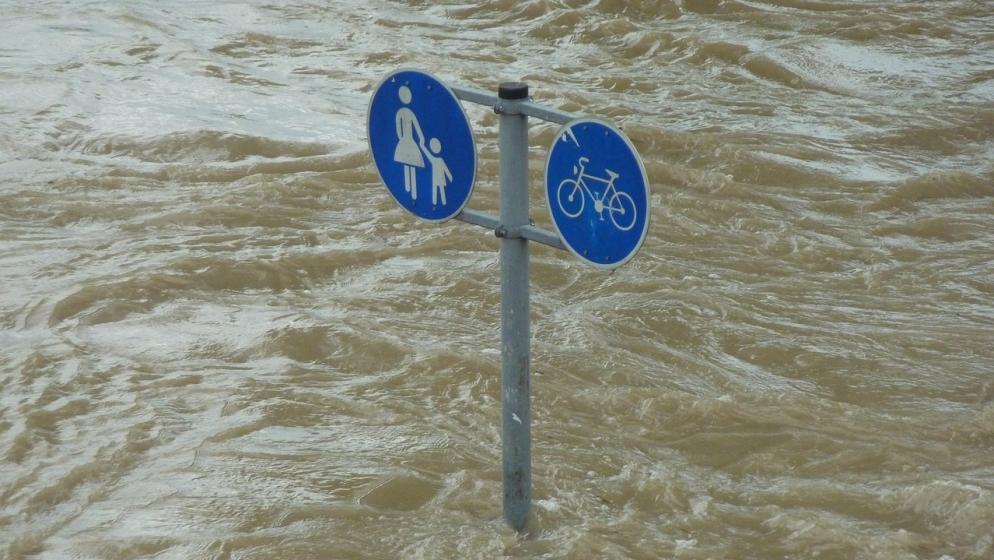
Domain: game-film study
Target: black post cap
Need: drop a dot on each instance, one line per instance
(513, 90)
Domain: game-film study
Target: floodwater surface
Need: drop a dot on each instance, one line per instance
(221, 338)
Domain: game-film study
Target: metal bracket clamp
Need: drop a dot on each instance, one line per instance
(522, 106)
(510, 107)
(510, 95)
(501, 231)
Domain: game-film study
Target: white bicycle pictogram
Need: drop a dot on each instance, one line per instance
(619, 205)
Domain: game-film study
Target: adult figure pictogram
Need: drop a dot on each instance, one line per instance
(408, 152)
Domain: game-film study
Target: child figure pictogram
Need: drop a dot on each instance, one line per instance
(440, 174)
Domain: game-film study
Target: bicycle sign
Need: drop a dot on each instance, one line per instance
(620, 206)
(598, 192)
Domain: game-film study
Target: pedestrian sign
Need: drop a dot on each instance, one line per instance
(422, 144)
(597, 192)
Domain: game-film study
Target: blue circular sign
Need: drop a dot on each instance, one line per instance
(422, 144)
(598, 192)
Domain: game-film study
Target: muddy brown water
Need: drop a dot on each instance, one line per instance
(220, 337)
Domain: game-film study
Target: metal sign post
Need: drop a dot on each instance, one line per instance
(408, 103)
(515, 354)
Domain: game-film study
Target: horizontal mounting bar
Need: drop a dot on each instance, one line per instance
(523, 107)
(479, 219)
(530, 233)
(542, 236)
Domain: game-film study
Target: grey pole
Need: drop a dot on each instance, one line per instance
(515, 330)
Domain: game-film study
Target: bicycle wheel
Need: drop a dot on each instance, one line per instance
(570, 199)
(622, 211)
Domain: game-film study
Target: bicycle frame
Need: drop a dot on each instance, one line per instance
(619, 206)
(582, 176)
